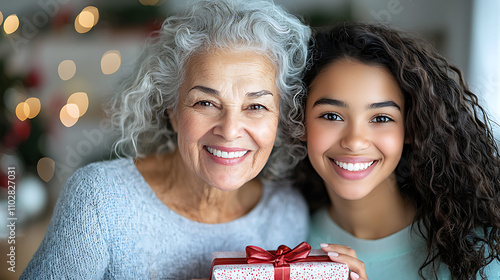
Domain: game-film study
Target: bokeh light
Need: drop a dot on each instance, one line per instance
(86, 19)
(22, 111)
(94, 11)
(1, 18)
(110, 62)
(11, 24)
(81, 100)
(69, 115)
(31, 196)
(79, 28)
(148, 2)
(46, 167)
(34, 107)
(66, 69)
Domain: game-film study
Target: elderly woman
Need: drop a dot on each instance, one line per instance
(205, 111)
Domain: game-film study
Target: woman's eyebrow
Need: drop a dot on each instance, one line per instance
(330, 101)
(338, 103)
(384, 104)
(256, 94)
(206, 90)
(252, 94)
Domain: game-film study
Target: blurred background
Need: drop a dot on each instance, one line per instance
(60, 60)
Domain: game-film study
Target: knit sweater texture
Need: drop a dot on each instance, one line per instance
(109, 224)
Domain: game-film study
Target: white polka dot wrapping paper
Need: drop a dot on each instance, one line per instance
(314, 266)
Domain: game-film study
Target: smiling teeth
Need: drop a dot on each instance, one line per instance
(354, 166)
(221, 154)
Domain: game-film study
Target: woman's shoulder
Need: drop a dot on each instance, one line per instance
(104, 170)
(491, 271)
(119, 165)
(97, 178)
(107, 189)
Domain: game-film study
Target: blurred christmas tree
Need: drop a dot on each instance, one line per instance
(19, 138)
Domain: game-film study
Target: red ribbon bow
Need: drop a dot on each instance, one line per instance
(280, 258)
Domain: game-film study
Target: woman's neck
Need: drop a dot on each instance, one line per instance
(381, 213)
(185, 193)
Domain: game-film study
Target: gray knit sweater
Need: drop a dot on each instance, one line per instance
(109, 224)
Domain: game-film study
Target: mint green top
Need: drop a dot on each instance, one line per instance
(398, 256)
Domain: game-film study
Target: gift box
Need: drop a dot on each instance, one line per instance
(283, 264)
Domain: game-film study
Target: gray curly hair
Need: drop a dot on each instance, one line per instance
(139, 111)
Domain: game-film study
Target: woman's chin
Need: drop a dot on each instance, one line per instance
(227, 184)
(351, 194)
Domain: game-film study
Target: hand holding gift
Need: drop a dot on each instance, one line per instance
(346, 255)
(284, 263)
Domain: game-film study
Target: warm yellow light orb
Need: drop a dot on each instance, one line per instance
(95, 13)
(34, 107)
(66, 69)
(45, 168)
(11, 24)
(110, 62)
(79, 28)
(69, 115)
(81, 100)
(22, 111)
(86, 19)
(148, 2)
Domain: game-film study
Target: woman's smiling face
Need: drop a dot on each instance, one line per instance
(227, 116)
(354, 127)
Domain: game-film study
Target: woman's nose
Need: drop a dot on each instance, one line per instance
(230, 126)
(355, 139)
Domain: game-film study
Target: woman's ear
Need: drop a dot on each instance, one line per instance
(172, 118)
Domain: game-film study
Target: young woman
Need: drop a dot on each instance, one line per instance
(406, 154)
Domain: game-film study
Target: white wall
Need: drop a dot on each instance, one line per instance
(485, 55)
(445, 20)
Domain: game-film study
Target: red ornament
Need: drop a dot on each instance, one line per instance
(33, 79)
(22, 129)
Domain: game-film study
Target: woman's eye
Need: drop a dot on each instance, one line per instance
(331, 117)
(204, 103)
(256, 107)
(381, 119)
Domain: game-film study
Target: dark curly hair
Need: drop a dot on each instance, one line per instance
(451, 168)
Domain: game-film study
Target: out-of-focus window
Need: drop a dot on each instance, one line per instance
(485, 56)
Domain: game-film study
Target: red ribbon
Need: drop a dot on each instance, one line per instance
(280, 258)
